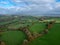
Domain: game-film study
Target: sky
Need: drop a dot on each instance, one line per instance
(30, 7)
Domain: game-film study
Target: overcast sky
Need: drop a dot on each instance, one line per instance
(31, 7)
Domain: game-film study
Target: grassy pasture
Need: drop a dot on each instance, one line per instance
(17, 37)
(52, 38)
(37, 27)
(13, 37)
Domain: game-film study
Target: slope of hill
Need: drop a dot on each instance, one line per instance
(52, 38)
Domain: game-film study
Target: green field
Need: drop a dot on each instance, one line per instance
(37, 27)
(17, 37)
(13, 37)
(52, 38)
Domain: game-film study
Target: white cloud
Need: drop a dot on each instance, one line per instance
(3, 2)
(34, 5)
(17, 1)
(57, 5)
(40, 3)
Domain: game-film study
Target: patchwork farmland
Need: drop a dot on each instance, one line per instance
(29, 30)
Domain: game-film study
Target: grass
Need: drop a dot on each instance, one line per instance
(6, 22)
(17, 37)
(52, 38)
(13, 37)
(37, 27)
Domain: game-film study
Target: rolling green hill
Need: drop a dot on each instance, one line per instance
(52, 38)
(13, 37)
(17, 37)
